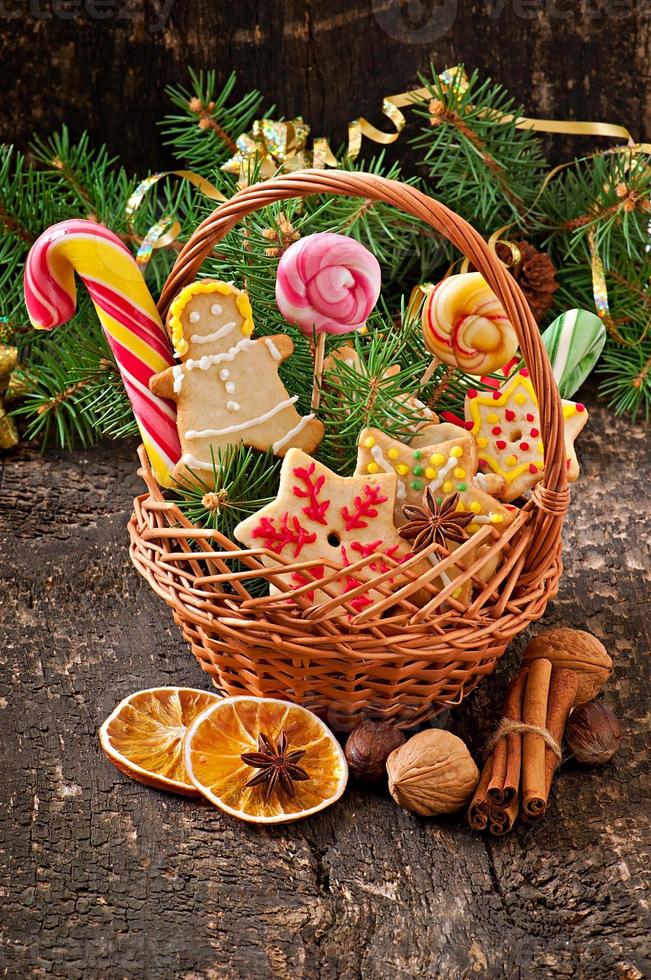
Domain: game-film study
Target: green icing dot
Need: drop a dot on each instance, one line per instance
(417, 454)
(462, 486)
(416, 484)
(417, 470)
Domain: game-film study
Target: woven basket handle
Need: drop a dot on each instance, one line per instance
(551, 497)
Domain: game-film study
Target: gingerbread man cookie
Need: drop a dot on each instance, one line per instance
(226, 386)
(444, 468)
(506, 424)
(330, 518)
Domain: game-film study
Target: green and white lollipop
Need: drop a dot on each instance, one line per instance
(574, 342)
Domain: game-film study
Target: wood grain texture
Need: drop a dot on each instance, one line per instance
(102, 65)
(102, 877)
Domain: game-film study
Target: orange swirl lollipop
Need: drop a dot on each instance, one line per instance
(465, 325)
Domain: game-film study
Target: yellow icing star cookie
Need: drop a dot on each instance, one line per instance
(443, 431)
(506, 425)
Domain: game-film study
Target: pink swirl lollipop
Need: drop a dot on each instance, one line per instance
(328, 283)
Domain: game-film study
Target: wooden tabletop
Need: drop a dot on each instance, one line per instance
(103, 878)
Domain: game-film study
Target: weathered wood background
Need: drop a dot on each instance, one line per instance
(102, 65)
(104, 878)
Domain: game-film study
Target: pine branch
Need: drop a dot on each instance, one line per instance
(241, 482)
(87, 180)
(606, 195)
(54, 402)
(480, 164)
(626, 373)
(204, 131)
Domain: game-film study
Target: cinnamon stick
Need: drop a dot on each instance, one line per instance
(534, 712)
(562, 692)
(505, 781)
(478, 809)
(501, 820)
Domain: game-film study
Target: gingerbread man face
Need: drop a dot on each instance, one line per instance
(226, 386)
(506, 424)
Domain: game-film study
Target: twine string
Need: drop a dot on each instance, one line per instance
(509, 727)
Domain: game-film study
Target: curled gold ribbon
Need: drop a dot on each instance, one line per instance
(168, 228)
(282, 146)
(600, 293)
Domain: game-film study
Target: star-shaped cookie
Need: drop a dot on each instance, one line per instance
(506, 425)
(320, 515)
(443, 467)
(443, 431)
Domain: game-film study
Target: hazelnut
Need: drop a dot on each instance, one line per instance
(574, 650)
(432, 773)
(368, 748)
(593, 734)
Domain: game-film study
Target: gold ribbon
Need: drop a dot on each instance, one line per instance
(168, 228)
(600, 293)
(270, 147)
(274, 146)
(8, 364)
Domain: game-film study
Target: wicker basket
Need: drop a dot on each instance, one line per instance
(396, 659)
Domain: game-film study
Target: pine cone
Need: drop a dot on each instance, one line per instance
(534, 273)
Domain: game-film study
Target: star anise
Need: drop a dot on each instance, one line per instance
(276, 765)
(435, 522)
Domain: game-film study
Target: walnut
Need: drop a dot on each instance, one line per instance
(432, 773)
(574, 650)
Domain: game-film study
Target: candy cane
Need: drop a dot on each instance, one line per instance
(126, 311)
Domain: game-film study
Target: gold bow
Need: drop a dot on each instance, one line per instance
(270, 147)
(8, 389)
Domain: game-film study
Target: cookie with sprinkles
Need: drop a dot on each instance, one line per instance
(334, 521)
(443, 431)
(444, 468)
(226, 385)
(506, 424)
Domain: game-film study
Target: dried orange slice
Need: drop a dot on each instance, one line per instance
(265, 760)
(143, 737)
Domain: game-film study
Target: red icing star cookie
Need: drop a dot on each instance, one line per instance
(321, 515)
(506, 425)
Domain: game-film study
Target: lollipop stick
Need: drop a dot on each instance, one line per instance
(429, 371)
(319, 353)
